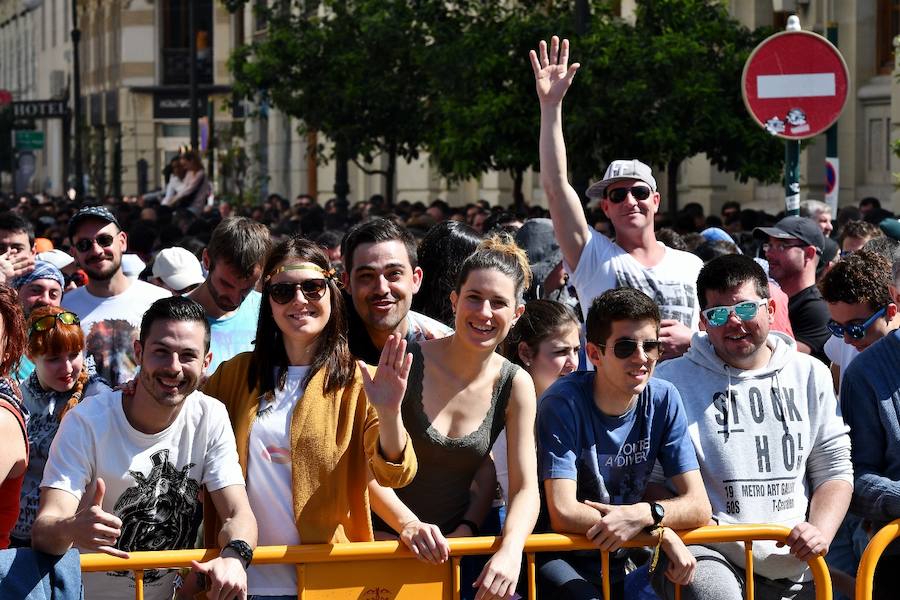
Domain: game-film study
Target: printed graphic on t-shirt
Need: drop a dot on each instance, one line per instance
(746, 424)
(675, 298)
(160, 512)
(625, 473)
(110, 343)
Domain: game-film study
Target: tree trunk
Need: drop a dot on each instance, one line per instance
(518, 196)
(341, 172)
(672, 187)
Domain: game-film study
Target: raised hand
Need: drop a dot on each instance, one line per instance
(385, 391)
(95, 529)
(552, 73)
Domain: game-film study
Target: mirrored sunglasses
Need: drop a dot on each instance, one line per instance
(856, 331)
(312, 290)
(717, 316)
(622, 349)
(49, 322)
(104, 240)
(639, 192)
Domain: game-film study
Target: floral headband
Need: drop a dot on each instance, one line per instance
(328, 273)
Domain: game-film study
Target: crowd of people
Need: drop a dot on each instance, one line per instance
(294, 374)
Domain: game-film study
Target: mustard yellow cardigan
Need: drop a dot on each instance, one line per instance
(334, 441)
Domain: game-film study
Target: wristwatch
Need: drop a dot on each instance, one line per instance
(243, 549)
(657, 512)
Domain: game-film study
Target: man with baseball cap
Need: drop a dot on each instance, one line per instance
(177, 270)
(628, 196)
(793, 248)
(110, 305)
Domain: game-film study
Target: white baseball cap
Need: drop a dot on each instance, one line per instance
(57, 258)
(178, 268)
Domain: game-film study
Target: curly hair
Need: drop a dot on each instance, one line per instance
(13, 330)
(859, 229)
(864, 277)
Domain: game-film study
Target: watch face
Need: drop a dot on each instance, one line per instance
(658, 512)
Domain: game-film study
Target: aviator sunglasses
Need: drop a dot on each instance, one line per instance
(856, 331)
(104, 240)
(745, 311)
(640, 192)
(625, 348)
(49, 322)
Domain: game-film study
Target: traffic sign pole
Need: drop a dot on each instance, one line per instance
(795, 85)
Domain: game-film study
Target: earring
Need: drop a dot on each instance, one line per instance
(528, 364)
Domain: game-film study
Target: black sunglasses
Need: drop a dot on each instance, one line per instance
(312, 289)
(640, 192)
(625, 348)
(49, 322)
(104, 240)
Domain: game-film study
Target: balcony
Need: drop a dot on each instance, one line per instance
(177, 68)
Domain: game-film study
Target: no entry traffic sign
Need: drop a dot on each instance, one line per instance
(795, 84)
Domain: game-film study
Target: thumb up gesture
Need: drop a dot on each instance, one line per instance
(94, 529)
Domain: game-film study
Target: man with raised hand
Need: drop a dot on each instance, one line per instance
(126, 470)
(769, 437)
(629, 198)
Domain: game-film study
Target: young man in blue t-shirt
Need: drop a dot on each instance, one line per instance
(599, 435)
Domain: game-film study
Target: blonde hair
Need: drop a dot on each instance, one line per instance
(500, 253)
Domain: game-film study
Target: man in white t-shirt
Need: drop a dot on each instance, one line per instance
(629, 198)
(126, 471)
(111, 305)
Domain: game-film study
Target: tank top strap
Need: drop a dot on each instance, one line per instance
(16, 410)
(502, 392)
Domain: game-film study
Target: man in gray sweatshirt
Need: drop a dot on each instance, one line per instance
(769, 437)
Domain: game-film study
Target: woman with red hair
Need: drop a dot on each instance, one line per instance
(60, 381)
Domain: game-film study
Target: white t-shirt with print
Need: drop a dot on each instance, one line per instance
(269, 485)
(111, 325)
(153, 481)
(672, 283)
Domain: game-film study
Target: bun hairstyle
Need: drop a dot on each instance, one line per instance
(541, 320)
(499, 252)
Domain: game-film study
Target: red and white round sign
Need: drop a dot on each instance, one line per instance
(795, 84)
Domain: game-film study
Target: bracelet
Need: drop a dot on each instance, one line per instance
(471, 525)
(656, 550)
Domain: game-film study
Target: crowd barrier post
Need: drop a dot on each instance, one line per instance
(865, 575)
(319, 564)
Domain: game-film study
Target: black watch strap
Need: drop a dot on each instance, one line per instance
(243, 549)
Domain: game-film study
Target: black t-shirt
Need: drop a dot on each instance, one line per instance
(809, 314)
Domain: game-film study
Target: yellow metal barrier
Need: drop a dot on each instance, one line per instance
(865, 576)
(322, 572)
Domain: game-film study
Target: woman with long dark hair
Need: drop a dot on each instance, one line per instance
(14, 452)
(309, 421)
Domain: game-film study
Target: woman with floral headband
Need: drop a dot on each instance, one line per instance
(59, 382)
(309, 421)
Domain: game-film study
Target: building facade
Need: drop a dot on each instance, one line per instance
(134, 76)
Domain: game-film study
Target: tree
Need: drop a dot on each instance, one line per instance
(668, 88)
(350, 74)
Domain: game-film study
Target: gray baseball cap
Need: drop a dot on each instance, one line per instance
(622, 170)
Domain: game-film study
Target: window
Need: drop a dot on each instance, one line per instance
(176, 41)
(888, 25)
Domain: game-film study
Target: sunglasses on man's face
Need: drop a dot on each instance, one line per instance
(312, 290)
(717, 316)
(104, 240)
(639, 192)
(623, 349)
(49, 322)
(856, 331)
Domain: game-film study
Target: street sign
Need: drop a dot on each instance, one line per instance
(29, 140)
(795, 84)
(6, 98)
(832, 182)
(40, 109)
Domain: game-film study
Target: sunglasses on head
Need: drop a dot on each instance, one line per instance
(639, 192)
(717, 316)
(623, 349)
(856, 331)
(104, 240)
(49, 322)
(312, 289)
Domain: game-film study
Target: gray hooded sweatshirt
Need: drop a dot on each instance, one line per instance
(765, 440)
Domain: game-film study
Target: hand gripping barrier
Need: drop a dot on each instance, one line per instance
(388, 571)
(865, 576)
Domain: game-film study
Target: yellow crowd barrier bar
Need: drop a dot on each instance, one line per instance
(419, 576)
(865, 576)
